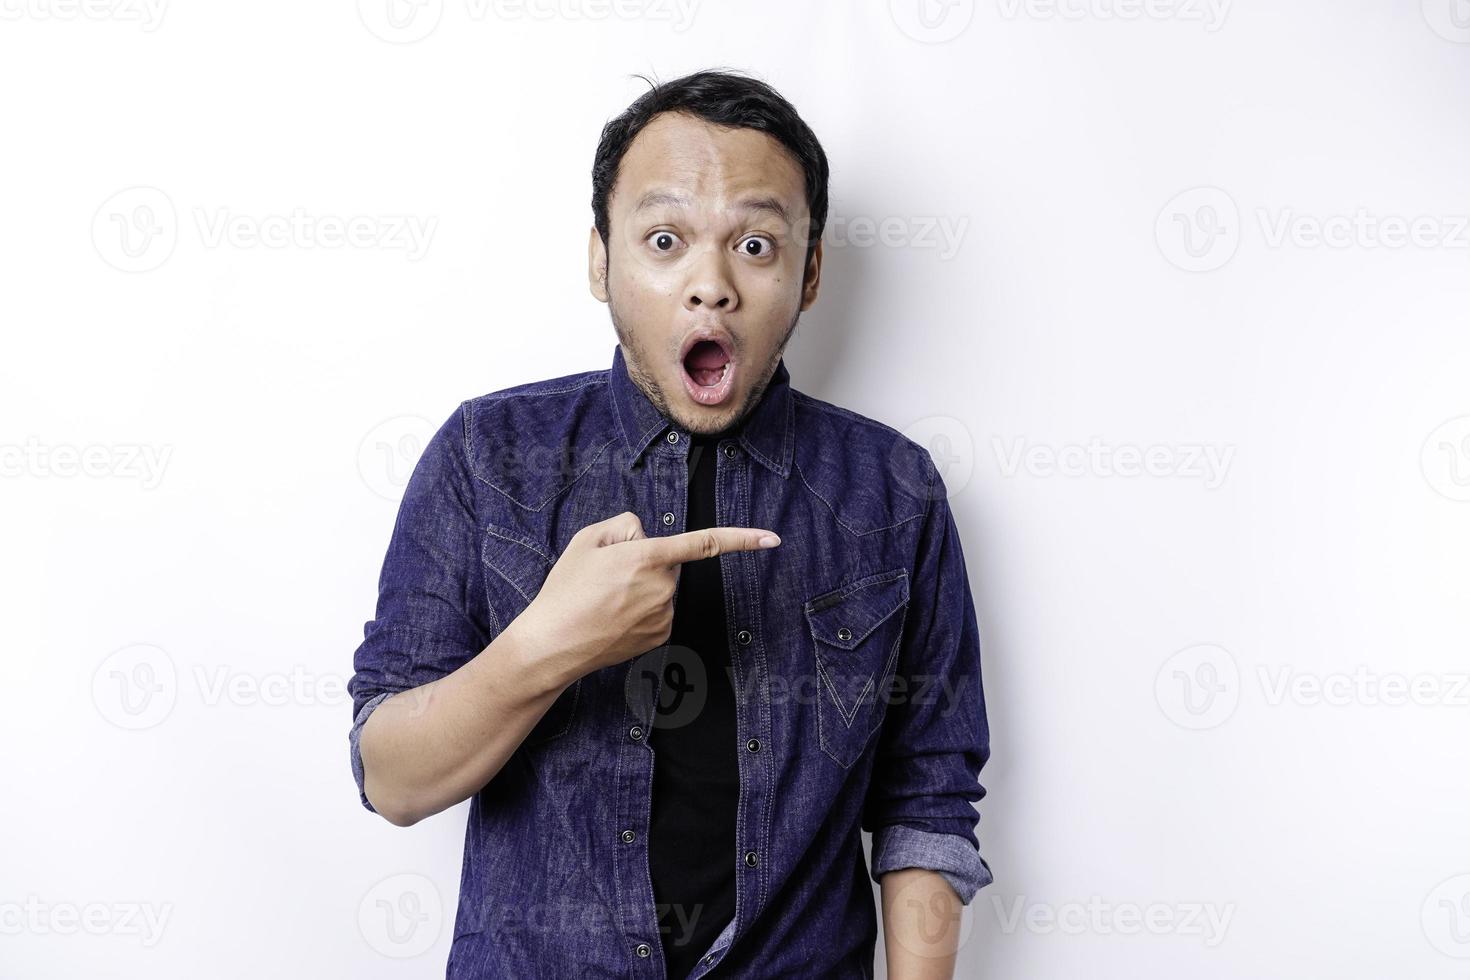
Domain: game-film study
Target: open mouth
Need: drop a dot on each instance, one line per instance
(708, 372)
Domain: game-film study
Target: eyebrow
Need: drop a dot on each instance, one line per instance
(655, 199)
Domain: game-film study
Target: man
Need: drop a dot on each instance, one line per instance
(677, 630)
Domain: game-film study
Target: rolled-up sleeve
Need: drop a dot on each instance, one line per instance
(431, 617)
(935, 739)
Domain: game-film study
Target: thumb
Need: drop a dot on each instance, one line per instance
(620, 527)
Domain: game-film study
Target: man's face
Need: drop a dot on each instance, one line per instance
(707, 236)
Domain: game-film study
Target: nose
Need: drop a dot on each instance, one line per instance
(710, 285)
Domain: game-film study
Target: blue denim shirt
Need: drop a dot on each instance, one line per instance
(855, 657)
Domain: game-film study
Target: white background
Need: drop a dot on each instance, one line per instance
(1228, 701)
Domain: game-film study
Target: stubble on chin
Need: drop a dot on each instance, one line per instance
(634, 359)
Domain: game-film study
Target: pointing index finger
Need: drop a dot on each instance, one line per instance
(708, 542)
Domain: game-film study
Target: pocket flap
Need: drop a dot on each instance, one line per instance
(845, 616)
(516, 558)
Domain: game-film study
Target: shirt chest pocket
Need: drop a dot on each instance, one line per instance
(516, 565)
(856, 632)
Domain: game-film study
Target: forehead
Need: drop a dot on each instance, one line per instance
(713, 165)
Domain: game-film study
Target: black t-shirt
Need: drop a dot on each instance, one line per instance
(696, 779)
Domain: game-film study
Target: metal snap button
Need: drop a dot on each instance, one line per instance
(636, 732)
(730, 450)
(750, 859)
(628, 836)
(642, 949)
(844, 634)
(754, 745)
(743, 637)
(673, 436)
(669, 519)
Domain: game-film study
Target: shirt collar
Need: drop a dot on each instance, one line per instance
(767, 432)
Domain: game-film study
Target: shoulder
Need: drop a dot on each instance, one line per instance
(870, 475)
(530, 441)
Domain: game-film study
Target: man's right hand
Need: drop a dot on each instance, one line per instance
(609, 597)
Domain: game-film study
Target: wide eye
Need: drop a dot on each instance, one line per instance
(663, 241)
(757, 246)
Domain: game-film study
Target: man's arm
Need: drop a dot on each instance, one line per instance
(934, 741)
(921, 925)
(437, 708)
(426, 749)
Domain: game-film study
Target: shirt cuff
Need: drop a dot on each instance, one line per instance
(896, 846)
(355, 736)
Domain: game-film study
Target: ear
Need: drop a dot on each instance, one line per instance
(812, 279)
(597, 266)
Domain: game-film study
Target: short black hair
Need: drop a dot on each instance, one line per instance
(723, 97)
